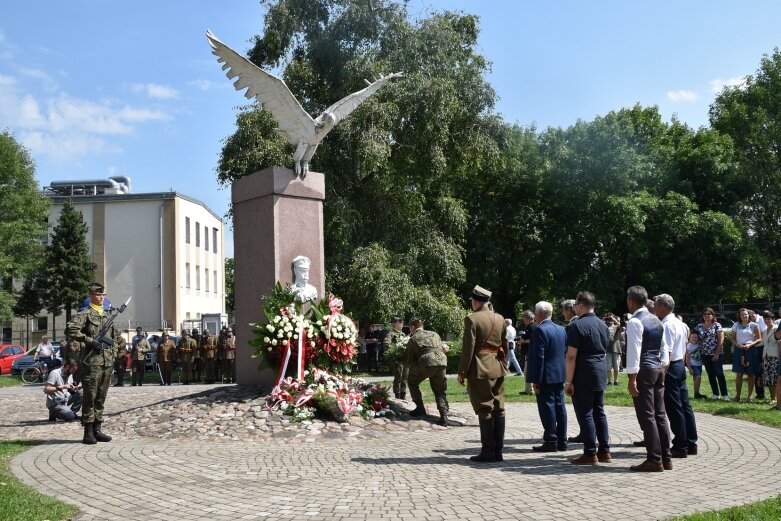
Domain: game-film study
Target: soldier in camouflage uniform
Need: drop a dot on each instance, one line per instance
(426, 359)
(96, 362)
(209, 354)
(187, 345)
(166, 354)
(394, 345)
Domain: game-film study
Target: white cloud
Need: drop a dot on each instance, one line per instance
(48, 82)
(155, 91)
(67, 128)
(718, 84)
(204, 85)
(682, 96)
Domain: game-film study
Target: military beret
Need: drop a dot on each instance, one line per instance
(481, 294)
(96, 287)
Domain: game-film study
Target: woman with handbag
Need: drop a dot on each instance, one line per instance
(712, 346)
(745, 359)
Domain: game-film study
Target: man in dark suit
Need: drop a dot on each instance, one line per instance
(546, 372)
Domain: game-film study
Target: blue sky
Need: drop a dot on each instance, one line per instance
(107, 88)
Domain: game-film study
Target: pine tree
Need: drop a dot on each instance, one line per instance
(70, 267)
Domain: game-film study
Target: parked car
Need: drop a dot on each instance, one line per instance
(9, 353)
(26, 360)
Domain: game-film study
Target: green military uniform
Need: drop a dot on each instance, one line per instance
(197, 357)
(96, 362)
(394, 348)
(482, 364)
(138, 359)
(166, 354)
(187, 346)
(209, 355)
(425, 359)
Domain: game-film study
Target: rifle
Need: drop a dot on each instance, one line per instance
(103, 342)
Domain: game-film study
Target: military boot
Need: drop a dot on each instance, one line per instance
(419, 410)
(442, 418)
(499, 424)
(402, 396)
(487, 440)
(89, 436)
(99, 436)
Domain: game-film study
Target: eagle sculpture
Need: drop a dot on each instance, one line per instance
(274, 96)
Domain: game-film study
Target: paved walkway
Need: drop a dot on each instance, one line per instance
(419, 475)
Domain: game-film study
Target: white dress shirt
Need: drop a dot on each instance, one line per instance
(676, 336)
(510, 334)
(634, 345)
(45, 350)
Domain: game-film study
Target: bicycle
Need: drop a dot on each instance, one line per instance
(36, 373)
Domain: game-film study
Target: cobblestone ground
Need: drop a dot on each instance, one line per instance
(409, 473)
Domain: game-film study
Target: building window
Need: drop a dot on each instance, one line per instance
(214, 240)
(197, 234)
(187, 315)
(187, 230)
(197, 278)
(215, 281)
(42, 323)
(206, 238)
(206, 279)
(187, 274)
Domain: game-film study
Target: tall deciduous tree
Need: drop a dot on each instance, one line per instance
(69, 267)
(750, 114)
(23, 211)
(230, 295)
(28, 302)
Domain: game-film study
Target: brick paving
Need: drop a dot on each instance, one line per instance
(407, 476)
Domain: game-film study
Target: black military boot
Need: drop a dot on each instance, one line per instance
(487, 452)
(89, 436)
(442, 419)
(499, 424)
(402, 396)
(99, 436)
(419, 410)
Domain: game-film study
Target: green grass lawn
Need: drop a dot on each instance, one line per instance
(19, 502)
(10, 380)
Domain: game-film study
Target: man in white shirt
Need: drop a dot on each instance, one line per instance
(646, 354)
(45, 352)
(63, 398)
(676, 393)
(512, 361)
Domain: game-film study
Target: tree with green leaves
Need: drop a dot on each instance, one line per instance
(29, 302)
(230, 295)
(750, 116)
(23, 223)
(69, 266)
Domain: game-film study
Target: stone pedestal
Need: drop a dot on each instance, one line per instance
(276, 217)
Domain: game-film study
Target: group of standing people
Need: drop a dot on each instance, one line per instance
(573, 360)
(202, 357)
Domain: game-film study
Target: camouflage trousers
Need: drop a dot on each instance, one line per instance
(437, 378)
(95, 380)
(400, 376)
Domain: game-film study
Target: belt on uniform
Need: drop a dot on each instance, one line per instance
(488, 349)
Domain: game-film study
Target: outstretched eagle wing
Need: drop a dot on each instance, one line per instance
(269, 90)
(342, 108)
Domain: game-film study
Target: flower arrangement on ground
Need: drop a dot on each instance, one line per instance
(329, 396)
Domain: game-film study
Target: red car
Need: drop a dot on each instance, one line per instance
(9, 353)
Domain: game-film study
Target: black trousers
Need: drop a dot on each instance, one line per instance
(590, 411)
(679, 410)
(651, 415)
(139, 367)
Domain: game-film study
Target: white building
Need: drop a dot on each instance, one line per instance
(164, 249)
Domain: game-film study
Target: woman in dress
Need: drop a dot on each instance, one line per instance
(712, 346)
(745, 359)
